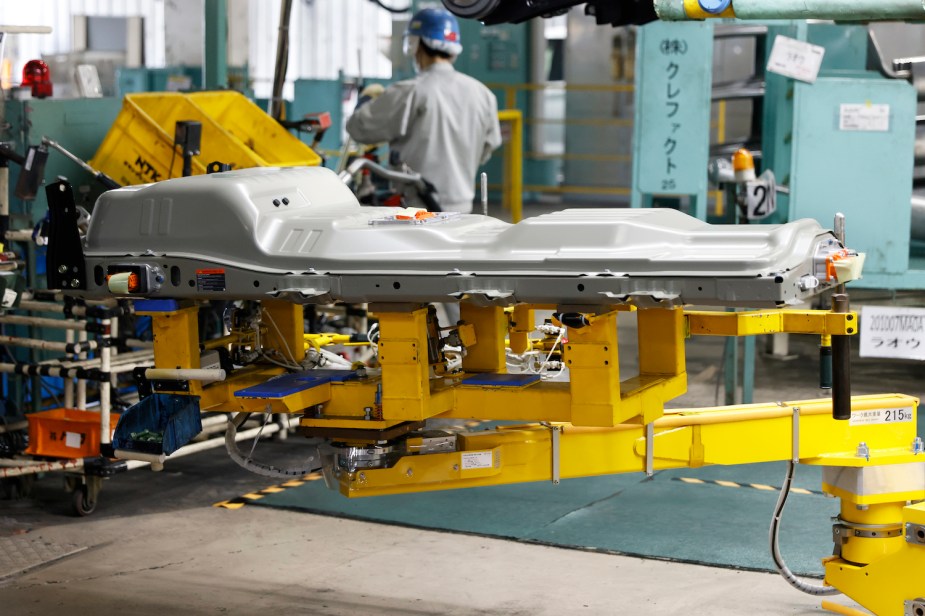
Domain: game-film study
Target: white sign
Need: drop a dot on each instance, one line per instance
(476, 459)
(9, 298)
(796, 59)
(891, 332)
(865, 118)
(72, 439)
(761, 200)
(881, 416)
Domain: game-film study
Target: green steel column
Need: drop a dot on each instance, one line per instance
(748, 370)
(839, 10)
(215, 57)
(731, 371)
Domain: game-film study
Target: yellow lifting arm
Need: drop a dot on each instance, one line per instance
(753, 323)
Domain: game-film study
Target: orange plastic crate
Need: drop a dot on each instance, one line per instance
(66, 433)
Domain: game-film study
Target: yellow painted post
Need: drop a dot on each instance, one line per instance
(661, 341)
(720, 139)
(522, 321)
(286, 328)
(868, 549)
(592, 359)
(516, 177)
(487, 354)
(405, 370)
(513, 180)
(176, 340)
(510, 96)
(884, 585)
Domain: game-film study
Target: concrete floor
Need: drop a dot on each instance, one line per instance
(214, 561)
(157, 545)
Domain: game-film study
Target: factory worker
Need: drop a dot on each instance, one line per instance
(442, 124)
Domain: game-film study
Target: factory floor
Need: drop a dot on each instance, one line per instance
(203, 560)
(157, 544)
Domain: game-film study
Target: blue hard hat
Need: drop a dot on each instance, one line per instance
(436, 28)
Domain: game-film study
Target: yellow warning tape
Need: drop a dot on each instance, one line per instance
(733, 484)
(240, 501)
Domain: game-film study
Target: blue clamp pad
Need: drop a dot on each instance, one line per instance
(332, 376)
(288, 384)
(502, 380)
(156, 305)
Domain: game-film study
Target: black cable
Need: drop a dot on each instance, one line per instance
(260, 468)
(392, 9)
(774, 535)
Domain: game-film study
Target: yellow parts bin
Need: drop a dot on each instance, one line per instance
(138, 149)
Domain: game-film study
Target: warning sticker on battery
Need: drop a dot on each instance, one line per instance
(210, 280)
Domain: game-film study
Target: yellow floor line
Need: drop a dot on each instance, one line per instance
(240, 501)
(732, 484)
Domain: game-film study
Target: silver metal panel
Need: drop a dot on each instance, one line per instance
(867, 481)
(323, 245)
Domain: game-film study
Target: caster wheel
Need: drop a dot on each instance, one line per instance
(83, 504)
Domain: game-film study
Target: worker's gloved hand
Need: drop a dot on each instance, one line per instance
(370, 93)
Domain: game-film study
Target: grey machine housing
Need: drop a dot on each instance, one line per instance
(300, 234)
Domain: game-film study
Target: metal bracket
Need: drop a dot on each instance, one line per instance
(915, 533)
(555, 433)
(650, 450)
(168, 386)
(916, 607)
(842, 532)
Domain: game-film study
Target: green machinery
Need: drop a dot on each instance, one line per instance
(863, 171)
(831, 165)
(827, 165)
(671, 138)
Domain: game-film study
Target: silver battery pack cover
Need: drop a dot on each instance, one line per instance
(300, 233)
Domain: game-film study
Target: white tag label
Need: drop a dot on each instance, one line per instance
(881, 416)
(796, 59)
(72, 439)
(9, 298)
(893, 333)
(864, 118)
(29, 158)
(476, 459)
(761, 201)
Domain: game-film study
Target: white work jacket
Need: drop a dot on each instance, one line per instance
(443, 124)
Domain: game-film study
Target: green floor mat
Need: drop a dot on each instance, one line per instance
(663, 518)
(666, 517)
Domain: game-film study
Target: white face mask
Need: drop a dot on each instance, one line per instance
(409, 44)
(409, 47)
